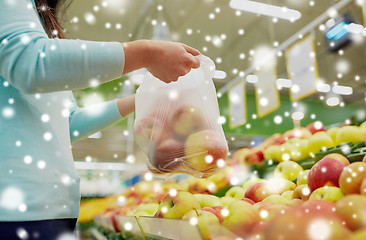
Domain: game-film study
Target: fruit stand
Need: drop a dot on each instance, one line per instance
(313, 174)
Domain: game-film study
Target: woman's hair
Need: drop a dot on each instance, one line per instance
(47, 10)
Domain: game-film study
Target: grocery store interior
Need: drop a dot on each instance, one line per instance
(285, 69)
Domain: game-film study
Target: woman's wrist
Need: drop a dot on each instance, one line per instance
(138, 54)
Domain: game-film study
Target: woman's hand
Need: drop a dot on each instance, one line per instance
(165, 60)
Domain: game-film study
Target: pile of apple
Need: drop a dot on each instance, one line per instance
(300, 143)
(183, 140)
(326, 202)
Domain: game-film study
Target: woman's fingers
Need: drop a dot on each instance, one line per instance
(191, 50)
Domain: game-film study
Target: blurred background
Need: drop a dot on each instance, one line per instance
(258, 57)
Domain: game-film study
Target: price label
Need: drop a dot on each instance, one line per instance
(237, 105)
(302, 69)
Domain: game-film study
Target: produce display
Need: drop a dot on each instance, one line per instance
(309, 183)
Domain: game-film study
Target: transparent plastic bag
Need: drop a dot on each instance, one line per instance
(177, 123)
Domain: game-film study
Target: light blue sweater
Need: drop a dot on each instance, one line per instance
(38, 114)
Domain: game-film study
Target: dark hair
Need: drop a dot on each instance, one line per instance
(47, 10)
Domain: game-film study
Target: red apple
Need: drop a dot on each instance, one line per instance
(316, 127)
(255, 156)
(338, 157)
(215, 210)
(186, 120)
(167, 155)
(326, 172)
(323, 206)
(299, 132)
(204, 149)
(248, 200)
(260, 190)
(240, 155)
(351, 177)
(268, 210)
(295, 203)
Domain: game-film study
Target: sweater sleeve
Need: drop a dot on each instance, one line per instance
(33, 63)
(88, 120)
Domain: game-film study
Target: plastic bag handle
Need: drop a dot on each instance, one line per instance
(207, 65)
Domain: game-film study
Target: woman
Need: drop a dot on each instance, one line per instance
(39, 186)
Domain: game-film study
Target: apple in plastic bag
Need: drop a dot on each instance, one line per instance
(187, 120)
(204, 149)
(148, 129)
(166, 154)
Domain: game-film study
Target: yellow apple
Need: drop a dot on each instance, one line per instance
(235, 192)
(177, 205)
(319, 141)
(302, 178)
(288, 170)
(352, 208)
(241, 217)
(206, 200)
(287, 194)
(332, 132)
(351, 177)
(276, 199)
(359, 235)
(204, 219)
(349, 134)
(332, 194)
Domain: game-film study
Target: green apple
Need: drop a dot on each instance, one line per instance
(288, 170)
(204, 219)
(351, 177)
(276, 199)
(226, 201)
(241, 217)
(146, 209)
(177, 205)
(302, 178)
(301, 150)
(287, 194)
(349, 134)
(319, 141)
(206, 200)
(301, 192)
(352, 208)
(273, 152)
(332, 194)
(235, 192)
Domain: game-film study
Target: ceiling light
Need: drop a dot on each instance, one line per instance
(342, 90)
(265, 9)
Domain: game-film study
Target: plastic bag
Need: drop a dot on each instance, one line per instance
(177, 123)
